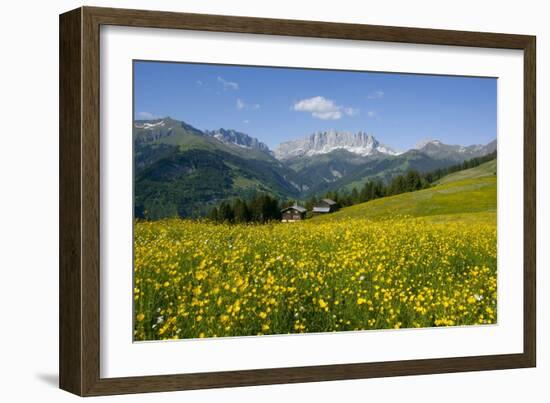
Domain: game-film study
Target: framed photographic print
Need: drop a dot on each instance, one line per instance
(249, 201)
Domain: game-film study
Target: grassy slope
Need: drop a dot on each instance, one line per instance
(459, 194)
(484, 170)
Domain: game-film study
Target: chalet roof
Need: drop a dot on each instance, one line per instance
(295, 207)
(329, 201)
(319, 209)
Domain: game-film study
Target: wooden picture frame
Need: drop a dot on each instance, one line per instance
(79, 317)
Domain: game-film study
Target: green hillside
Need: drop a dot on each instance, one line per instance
(181, 171)
(182, 137)
(487, 169)
(386, 168)
(188, 183)
(470, 191)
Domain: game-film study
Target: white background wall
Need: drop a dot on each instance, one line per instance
(29, 198)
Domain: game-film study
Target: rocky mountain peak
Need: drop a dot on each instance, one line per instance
(324, 142)
(237, 138)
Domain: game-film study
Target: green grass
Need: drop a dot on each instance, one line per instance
(465, 192)
(488, 169)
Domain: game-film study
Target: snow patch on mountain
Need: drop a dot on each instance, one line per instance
(149, 125)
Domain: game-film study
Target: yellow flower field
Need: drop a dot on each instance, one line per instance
(199, 279)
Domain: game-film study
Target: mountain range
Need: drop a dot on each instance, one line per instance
(181, 170)
(361, 143)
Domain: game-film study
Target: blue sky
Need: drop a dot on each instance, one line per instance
(280, 104)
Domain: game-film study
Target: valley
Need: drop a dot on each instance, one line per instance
(181, 171)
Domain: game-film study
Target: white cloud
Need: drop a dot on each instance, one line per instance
(332, 115)
(240, 104)
(376, 95)
(228, 85)
(246, 121)
(199, 82)
(351, 111)
(146, 115)
(323, 108)
(372, 114)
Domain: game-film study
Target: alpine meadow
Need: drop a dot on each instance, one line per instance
(266, 202)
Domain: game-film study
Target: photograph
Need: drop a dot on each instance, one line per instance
(285, 200)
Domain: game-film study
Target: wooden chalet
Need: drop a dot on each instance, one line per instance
(293, 213)
(325, 206)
